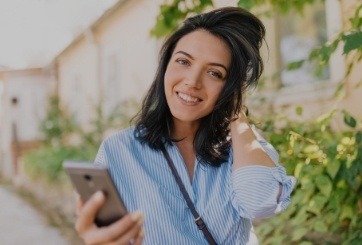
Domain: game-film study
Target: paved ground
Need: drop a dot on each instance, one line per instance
(22, 224)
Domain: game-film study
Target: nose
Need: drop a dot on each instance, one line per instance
(193, 78)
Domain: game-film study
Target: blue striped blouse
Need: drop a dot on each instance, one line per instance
(227, 200)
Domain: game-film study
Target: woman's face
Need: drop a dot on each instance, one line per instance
(195, 75)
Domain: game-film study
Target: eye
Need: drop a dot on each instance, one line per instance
(216, 74)
(183, 61)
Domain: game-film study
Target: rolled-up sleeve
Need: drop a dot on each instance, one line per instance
(255, 188)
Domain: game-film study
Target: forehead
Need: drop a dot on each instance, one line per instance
(205, 46)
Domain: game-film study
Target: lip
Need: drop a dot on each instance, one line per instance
(188, 98)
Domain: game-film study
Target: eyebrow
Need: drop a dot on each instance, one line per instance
(191, 57)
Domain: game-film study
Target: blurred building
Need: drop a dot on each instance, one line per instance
(23, 101)
(291, 38)
(111, 62)
(115, 60)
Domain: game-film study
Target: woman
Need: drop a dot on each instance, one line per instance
(194, 110)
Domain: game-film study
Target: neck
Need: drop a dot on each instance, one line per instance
(184, 131)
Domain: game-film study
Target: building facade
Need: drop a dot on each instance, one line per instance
(23, 100)
(115, 60)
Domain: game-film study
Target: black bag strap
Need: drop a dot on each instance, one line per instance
(198, 220)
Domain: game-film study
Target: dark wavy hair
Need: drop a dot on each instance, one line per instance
(244, 34)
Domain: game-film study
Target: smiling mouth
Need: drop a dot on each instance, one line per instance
(188, 98)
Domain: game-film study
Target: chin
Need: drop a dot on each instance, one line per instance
(186, 117)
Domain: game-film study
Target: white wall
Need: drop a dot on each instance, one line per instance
(125, 37)
(78, 80)
(31, 89)
(119, 61)
(115, 62)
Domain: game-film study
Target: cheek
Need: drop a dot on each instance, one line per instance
(168, 78)
(215, 91)
(166, 82)
(171, 79)
(168, 85)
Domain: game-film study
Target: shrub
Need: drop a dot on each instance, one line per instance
(46, 163)
(326, 205)
(60, 129)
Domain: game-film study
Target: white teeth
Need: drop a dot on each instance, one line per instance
(188, 98)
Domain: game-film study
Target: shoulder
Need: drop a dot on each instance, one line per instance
(122, 150)
(122, 139)
(122, 135)
(120, 145)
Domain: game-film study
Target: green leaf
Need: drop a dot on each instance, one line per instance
(298, 169)
(324, 184)
(205, 3)
(246, 4)
(333, 168)
(342, 185)
(349, 120)
(356, 20)
(340, 91)
(299, 110)
(311, 149)
(323, 53)
(295, 65)
(317, 204)
(320, 226)
(352, 41)
(298, 197)
(358, 137)
(347, 213)
(300, 218)
(325, 118)
(299, 233)
(331, 217)
(306, 243)
(318, 171)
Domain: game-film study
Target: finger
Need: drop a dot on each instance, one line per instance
(140, 236)
(130, 236)
(89, 211)
(115, 230)
(123, 226)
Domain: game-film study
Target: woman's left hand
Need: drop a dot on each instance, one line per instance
(246, 148)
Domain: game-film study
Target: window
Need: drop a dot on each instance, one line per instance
(291, 38)
(299, 34)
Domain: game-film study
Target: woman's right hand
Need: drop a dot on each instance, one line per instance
(127, 230)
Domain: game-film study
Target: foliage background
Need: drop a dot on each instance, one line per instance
(326, 205)
(64, 139)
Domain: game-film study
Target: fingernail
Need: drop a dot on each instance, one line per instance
(140, 221)
(136, 216)
(98, 196)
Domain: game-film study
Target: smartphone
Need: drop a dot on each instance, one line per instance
(87, 179)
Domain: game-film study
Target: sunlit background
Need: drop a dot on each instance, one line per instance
(73, 72)
(34, 31)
